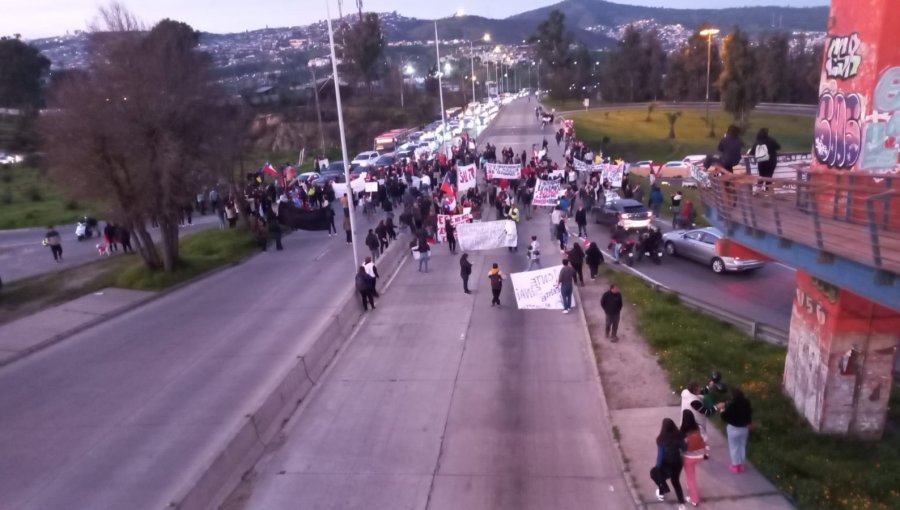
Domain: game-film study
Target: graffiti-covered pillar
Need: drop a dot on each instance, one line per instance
(858, 120)
(842, 346)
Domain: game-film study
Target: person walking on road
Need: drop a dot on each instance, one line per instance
(534, 254)
(669, 445)
(695, 449)
(566, 282)
(738, 415)
(451, 236)
(594, 257)
(54, 241)
(365, 285)
(562, 234)
(496, 278)
(329, 213)
(125, 239)
(465, 270)
(275, 232)
(372, 243)
(611, 302)
(581, 221)
(656, 200)
(424, 253)
(372, 271)
(347, 230)
(576, 258)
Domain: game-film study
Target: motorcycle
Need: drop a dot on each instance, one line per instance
(650, 246)
(628, 252)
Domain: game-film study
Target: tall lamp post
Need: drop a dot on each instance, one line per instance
(340, 112)
(708, 33)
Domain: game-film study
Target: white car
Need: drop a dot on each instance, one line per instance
(670, 164)
(364, 159)
(10, 159)
(694, 159)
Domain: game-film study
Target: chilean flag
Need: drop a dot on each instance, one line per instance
(269, 169)
(446, 187)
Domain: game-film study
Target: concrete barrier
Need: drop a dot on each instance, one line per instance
(245, 443)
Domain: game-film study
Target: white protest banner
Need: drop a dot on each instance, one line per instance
(546, 192)
(538, 290)
(581, 166)
(357, 185)
(455, 220)
(372, 187)
(487, 235)
(465, 177)
(498, 171)
(614, 174)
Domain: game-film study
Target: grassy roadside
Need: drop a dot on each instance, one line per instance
(28, 199)
(633, 138)
(818, 472)
(691, 194)
(201, 252)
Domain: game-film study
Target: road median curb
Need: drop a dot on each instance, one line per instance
(247, 441)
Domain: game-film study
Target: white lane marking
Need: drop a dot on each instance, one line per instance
(319, 256)
(633, 270)
(789, 268)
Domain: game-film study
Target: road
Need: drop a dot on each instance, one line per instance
(764, 296)
(442, 402)
(120, 415)
(22, 255)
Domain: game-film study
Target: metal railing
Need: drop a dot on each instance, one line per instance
(847, 214)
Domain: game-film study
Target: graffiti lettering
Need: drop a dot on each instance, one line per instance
(881, 147)
(838, 129)
(842, 61)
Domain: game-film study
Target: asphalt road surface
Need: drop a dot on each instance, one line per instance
(118, 416)
(22, 255)
(442, 402)
(764, 296)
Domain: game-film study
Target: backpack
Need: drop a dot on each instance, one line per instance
(761, 153)
(694, 441)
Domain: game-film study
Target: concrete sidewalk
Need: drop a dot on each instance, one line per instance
(640, 397)
(440, 401)
(22, 337)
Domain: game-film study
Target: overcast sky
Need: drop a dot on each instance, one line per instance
(42, 18)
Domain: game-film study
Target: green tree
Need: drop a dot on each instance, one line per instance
(686, 77)
(142, 129)
(22, 68)
(552, 48)
(773, 74)
(805, 71)
(364, 47)
(737, 82)
(636, 67)
(672, 118)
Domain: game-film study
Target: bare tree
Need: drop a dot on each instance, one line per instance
(143, 129)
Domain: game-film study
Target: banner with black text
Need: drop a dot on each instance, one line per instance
(487, 235)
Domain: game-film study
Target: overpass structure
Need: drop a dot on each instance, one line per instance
(838, 223)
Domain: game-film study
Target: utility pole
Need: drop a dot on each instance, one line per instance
(315, 86)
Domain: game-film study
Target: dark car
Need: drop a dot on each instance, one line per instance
(383, 161)
(405, 154)
(627, 212)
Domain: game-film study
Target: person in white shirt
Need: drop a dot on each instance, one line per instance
(534, 254)
(371, 270)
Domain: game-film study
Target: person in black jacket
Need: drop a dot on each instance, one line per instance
(576, 258)
(451, 236)
(611, 302)
(372, 243)
(730, 148)
(738, 415)
(765, 150)
(594, 257)
(365, 284)
(669, 445)
(465, 270)
(581, 221)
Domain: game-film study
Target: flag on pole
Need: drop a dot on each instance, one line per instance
(446, 187)
(269, 169)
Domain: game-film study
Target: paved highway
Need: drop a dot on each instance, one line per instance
(441, 402)
(22, 255)
(764, 296)
(120, 415)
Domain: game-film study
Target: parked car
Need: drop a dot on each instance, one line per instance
(405, 154)
(694, 159)
(364, 159)
(699, 245)
(383, 161)
(675, 164)
(629, 213)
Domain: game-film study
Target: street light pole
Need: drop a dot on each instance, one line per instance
(340, 113)
(709, 33)
(472, 57)
(437, 51)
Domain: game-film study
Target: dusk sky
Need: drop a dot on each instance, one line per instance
(42, 18)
